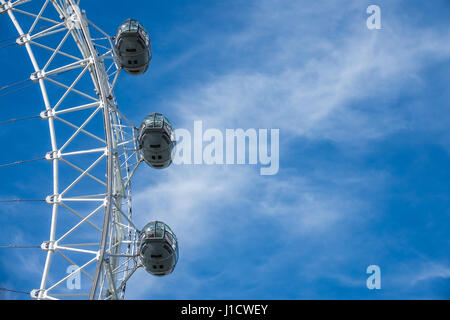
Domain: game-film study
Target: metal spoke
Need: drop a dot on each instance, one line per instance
(110, 250)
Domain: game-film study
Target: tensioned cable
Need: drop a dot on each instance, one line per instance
(13, 246)
(14, 38)
(12, 91)
(16, 247)
(20, 162)
(15, 291)
(19, 119)
(8, 45)
(20, 82)
(14, 84)
(8, 39)
(21, 200)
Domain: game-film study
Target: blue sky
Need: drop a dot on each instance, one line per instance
(364, 149)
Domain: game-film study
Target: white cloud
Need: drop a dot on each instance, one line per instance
(313, 73)
(432, 271)
(313, 81)
(416, 274)
(202, 204)
(188, 199)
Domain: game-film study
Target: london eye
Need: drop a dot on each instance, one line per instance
(94, 150)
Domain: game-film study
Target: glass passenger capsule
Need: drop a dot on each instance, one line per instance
(156, 141)
(133, 47)
(158, 248)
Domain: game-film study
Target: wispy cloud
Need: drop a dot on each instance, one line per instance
(321, 81)
(315, 72)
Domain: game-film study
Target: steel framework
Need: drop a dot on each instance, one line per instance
(91, 222)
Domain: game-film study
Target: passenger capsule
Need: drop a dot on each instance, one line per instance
(156, 141)
(133, 47)
(158, 248)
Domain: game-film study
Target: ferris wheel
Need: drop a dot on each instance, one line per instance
(94, 151)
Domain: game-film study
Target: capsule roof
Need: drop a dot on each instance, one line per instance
(157, 120)
(132, 25)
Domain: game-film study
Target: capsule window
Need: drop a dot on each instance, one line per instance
(133, 25)
(159, 120)
(167, 248)
(167, 125)
(169, 238)
(150, 231)
(124, 27)
(145, 36)
(159, 230)
(166, 139)
(169, 230)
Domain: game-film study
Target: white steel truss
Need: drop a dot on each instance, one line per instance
(99, 221)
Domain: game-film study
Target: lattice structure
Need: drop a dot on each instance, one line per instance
(93, 160)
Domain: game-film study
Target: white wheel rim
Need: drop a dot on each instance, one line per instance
(108, 263)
